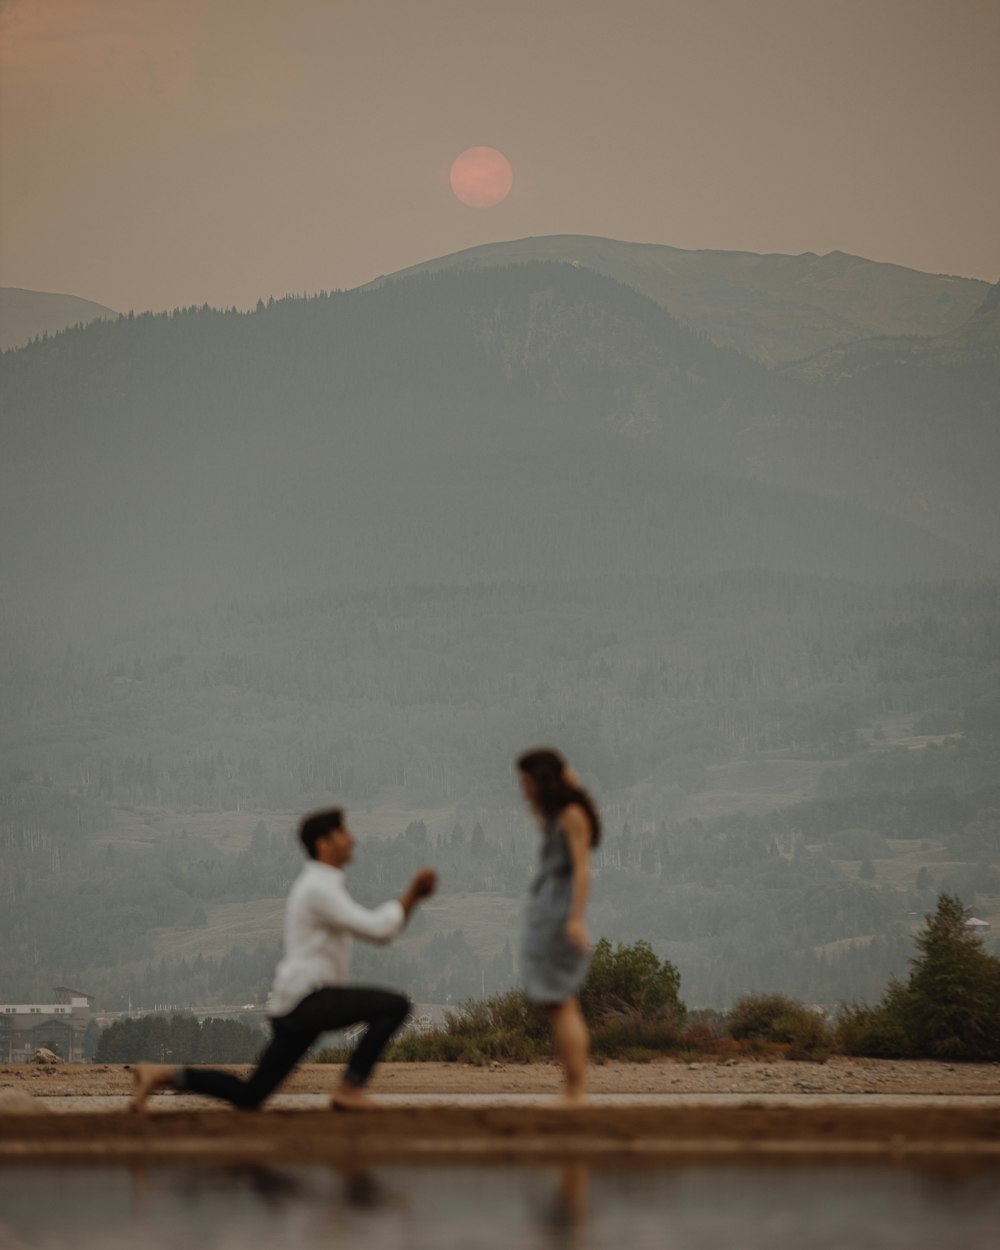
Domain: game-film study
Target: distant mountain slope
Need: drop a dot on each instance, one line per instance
(924, 422)
(524, 423)
(774, 308)
(977, 338)
(982, 330)
(25, 315)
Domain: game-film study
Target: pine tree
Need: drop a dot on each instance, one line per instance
(952, 1002)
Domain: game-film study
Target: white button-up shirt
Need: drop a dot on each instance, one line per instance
(321, 919)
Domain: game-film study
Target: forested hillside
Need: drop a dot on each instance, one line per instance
(511, 424)
(418, 700)
(365, 548)
(25, 315)
(772, 308)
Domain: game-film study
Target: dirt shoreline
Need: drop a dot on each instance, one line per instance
(824, 1112)
(958, 1134)
(838, 1077)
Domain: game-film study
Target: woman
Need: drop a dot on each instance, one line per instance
(556, 949)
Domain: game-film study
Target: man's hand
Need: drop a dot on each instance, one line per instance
(423, 885)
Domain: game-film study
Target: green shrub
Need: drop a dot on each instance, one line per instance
(624, 1037)
(808, 1036)
(758, 1018)
(506, 1027)
(705, 1030)
(630, 1000)
(756, 1015)
(872, 1031)
(508, 1013)
(631, 981)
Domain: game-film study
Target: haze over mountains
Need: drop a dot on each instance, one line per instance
(362, 548)
(514, 422)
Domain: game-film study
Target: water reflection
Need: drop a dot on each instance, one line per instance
(565, 1215)
(363, 1190)
(567, 1206)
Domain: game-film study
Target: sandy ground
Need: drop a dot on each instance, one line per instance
(433, 1112)
(838, 1077)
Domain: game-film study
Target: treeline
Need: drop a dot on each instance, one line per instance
(179, 1039)
(742, 903)
(947, 1008)
(427, 692)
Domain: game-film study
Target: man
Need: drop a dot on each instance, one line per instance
(311, 994)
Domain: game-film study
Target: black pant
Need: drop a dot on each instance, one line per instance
(337, 1007)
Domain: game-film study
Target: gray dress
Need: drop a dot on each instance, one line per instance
(552, 968)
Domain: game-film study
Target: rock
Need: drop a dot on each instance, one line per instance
(45, 1056)
(17, 1102)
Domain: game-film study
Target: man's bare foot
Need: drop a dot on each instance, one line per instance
(145, 1078)
(350, 1098)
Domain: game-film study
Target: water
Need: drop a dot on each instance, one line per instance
(572, 1207)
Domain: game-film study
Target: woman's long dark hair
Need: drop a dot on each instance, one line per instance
(553, 793)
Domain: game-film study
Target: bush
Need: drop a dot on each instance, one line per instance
(633, 1037)
(777, 1019)
(630, 981)
(506, 1027)
(754, 1016)
(510, 1013)
(808, 1036)
(872, 1031)
(705, 1030)
(630, 999)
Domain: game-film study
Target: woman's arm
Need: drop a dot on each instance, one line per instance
(576, 826)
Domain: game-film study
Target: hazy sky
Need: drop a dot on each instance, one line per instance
(156, 153)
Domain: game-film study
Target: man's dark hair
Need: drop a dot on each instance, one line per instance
(317, 825)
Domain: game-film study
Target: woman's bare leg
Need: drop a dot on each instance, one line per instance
(572, 1043)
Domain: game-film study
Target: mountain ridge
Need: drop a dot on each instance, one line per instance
(527, 422)
(27, 314)
(771, 306)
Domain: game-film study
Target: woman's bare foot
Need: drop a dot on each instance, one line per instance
(567, 1100)
(145, 1078)
(350, 1098)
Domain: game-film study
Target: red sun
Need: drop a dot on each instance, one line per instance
(481, 177)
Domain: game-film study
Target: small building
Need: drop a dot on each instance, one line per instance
(58, 1025)
(980, 926)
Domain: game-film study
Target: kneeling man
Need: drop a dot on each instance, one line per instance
(311, 994)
